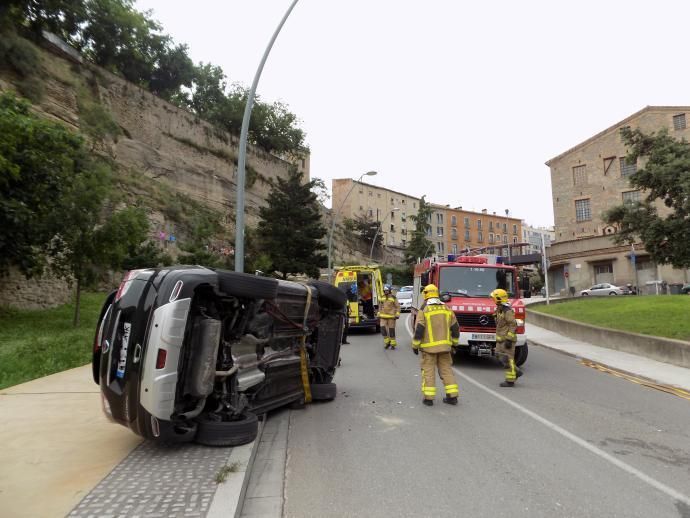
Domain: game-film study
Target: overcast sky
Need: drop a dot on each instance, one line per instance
(461, 101)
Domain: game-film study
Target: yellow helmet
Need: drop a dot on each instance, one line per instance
(500, 296)
(430, 291)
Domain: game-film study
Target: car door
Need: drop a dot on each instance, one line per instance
(603, 289)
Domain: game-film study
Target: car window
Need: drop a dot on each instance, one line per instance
(406, 288)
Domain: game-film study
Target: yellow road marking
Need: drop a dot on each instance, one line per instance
(640, 381)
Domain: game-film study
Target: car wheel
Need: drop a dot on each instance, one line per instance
(227, 433)
(323, 391)
(585, 294)
(521, 354)
(329, 296)
(613, 293)
(245, 285)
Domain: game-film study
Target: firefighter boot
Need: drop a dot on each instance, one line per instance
(393, 343)
(507, 384)
(451, 400)
(518, 372)
(387, 342)
(428, 402)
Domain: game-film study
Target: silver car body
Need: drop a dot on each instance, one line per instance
(404, 296)
(604, 289)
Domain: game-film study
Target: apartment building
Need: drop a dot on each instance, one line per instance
(454, 230)
(391, 209)
(590, 178)
(535, 235)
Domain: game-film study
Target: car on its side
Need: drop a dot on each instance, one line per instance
(404, 296)
(605, 289)
(188, 353)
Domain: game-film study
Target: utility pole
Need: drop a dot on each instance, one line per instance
(545, 268)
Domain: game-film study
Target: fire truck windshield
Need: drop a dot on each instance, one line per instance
(471, 281)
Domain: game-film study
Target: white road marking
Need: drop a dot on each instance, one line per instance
(574, 438)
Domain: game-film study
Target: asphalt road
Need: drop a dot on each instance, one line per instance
(567, 441)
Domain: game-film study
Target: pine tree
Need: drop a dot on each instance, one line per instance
(291, 228)
(419, 246)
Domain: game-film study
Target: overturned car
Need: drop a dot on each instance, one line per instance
(190, 353)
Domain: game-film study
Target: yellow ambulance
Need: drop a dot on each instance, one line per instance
(364, 288)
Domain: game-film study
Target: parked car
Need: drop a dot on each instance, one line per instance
(404, 296)
(685, 289)
(605, 288)
(190, 353)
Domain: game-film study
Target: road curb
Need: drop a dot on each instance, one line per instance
(250, 467)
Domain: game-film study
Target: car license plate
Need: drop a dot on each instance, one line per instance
(483, 336)
(122, 362)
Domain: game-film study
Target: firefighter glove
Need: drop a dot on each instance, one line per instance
(415, 350)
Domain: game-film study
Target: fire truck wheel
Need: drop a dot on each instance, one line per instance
(521, 354)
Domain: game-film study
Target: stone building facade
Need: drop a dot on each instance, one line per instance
(590, 178)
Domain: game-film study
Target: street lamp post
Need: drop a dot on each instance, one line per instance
(242, 156)
(334, 218)
(510, 260)
(378, 227)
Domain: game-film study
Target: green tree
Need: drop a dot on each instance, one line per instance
(665, 178)
(40, 162)
(290, 229)
(365, 228)
(419, 246)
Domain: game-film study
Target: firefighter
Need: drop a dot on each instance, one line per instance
(436, 331)
(505, 336)
(389, 313)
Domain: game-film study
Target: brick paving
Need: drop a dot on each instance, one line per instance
(157, 481)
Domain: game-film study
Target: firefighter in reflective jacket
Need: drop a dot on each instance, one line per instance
(389, 313)
(505, 336)
(436, 331)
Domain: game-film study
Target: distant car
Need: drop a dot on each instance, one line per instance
(404, 296)
(685, 289)
(605, 289)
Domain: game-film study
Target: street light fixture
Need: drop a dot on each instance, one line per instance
(378, 227)
(510, 260)
(242, 156)
(334, 218)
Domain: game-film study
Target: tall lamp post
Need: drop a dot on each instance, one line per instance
(335, 218)
(242, 156)
(510, 260)
(378, 227)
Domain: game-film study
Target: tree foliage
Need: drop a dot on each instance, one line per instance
(419, 246)
(365, 228)
(114, 35)
(664, 180)
(290, 229)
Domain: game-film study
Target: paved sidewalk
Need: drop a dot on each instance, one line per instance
(659, 372)
(56, 444)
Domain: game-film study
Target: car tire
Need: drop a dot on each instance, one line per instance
(613, 293)
(521, 354)
(329, 296)
(323, 391)
(585, 294)
(228, 433)
(245, 285)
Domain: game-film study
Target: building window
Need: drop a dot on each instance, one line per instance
(361, 208)
(467, 222)
(579, 175)
(361, 191)
(455, 249)
(454, 233)
(679, 121)
(403, 231)
(479, 224)
(439, 218)
(402, 201)
(626, 168)
(505, 240)
(392, 228)
(428, 231)
(371, 193)
(514, 229)
(404, 242)
(631, 197)
(480, 236)
(392, 215)
(439, 247)
(439, 231)
(603, 268)
(453, 220)
(491, 238)
(403, 217)
(378, 194)
(491, 226)
(514, 240)
(608, 162)
(414, 204)
(370, 213)
(467, 235)
(583, 210)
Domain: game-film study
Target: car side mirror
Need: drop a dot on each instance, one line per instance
(445, 297)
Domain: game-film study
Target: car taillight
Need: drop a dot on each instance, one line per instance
(160, 359)
(126, 283)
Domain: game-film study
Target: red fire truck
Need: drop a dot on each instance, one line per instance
(465, 283)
